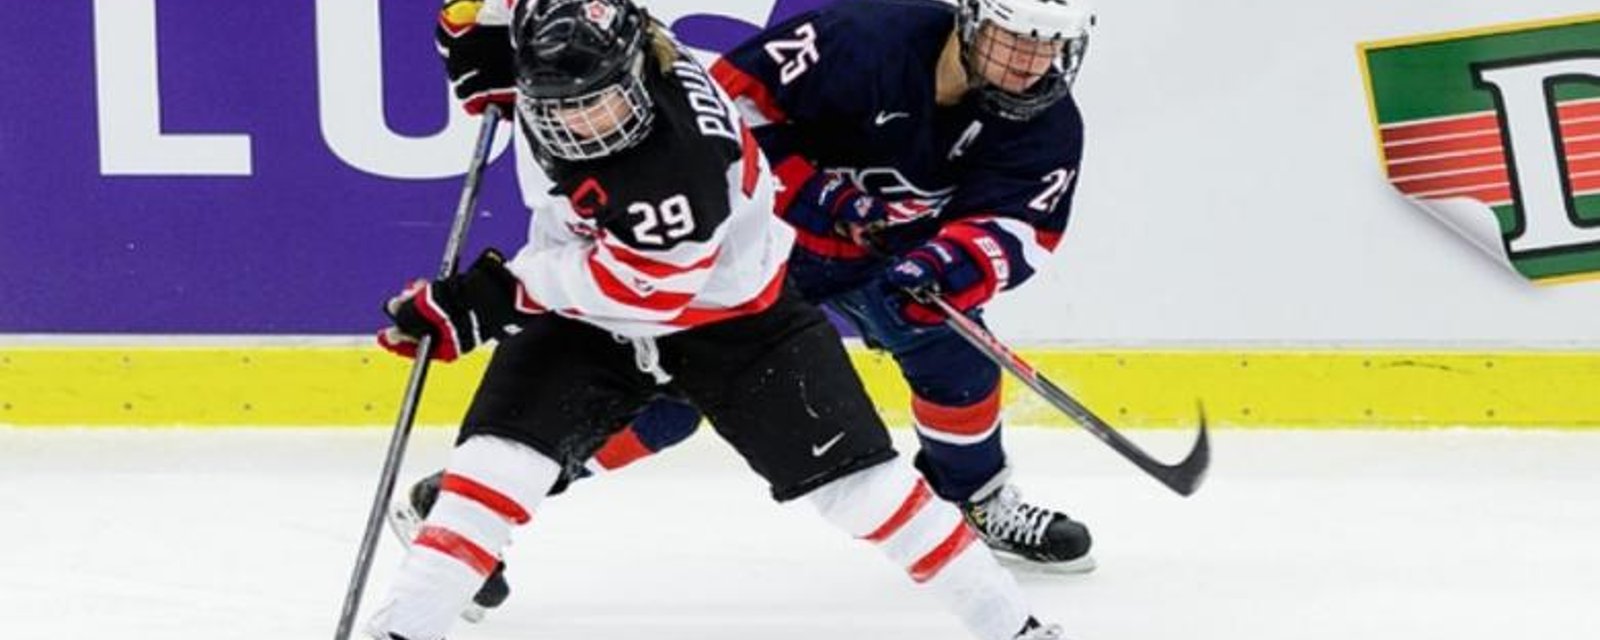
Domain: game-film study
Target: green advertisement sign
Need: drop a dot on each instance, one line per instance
(1496, 131)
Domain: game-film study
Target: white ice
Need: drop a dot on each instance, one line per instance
(1448, 535)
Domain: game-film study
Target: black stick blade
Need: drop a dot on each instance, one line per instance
(1186, 477)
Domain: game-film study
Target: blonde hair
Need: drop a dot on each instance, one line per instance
(662, 46)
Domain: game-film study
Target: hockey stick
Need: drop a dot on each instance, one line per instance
(419, 374)
(1183, 477)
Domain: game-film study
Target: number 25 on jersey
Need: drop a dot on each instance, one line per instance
(795, 55)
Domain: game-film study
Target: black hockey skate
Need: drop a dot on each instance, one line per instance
(1044, 538)
(406, 518)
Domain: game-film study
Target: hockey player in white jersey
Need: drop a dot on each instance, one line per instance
(654, 265)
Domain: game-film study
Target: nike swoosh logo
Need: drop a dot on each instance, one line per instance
(884, 117)
(818, 450)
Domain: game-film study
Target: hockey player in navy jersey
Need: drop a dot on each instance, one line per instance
(653, 265)
(920, 146)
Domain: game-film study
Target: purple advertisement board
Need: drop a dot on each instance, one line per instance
(187, 167)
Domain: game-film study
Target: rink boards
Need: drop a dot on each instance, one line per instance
(285, 171)
(356, 385)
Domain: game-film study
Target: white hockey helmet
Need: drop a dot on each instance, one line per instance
(1065, 24)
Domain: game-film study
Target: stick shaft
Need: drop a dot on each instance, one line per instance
(1183, 477)
(414, 384)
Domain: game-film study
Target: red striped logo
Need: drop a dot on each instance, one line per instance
(1465, 156)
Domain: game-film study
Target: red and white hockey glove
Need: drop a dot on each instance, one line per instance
(461, 312)
(477, 57)
(953, 265)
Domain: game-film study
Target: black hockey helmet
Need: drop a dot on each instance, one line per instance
(1058, 27)
(580, 66)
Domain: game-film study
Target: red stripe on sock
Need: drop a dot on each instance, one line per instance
(919, 496)
(930, 565)
(456, 546)
(621, 450)
(482, 494)
(970, 420)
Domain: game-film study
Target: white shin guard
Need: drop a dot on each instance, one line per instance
(490, 484)
(891, 506)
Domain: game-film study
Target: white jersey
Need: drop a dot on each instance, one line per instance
(675, 232)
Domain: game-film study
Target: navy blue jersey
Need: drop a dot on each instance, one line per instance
(850, 88)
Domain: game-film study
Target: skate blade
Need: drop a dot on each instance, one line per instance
(1075, 566)
(405, 522)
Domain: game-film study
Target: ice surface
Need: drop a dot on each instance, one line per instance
(1457, 535)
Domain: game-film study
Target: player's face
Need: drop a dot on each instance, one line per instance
(597, 117)
(1010, 61)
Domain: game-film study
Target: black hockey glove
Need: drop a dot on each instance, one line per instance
(477, 57)
(461, 312)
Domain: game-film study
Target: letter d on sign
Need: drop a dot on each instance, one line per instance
(1524, 94)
